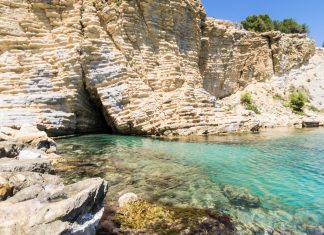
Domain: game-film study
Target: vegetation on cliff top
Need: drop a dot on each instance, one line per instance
(263, 23)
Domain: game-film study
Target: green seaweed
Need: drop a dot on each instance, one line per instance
(144, 216)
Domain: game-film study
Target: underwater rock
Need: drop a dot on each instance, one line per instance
(126, 199)
(240, 197)
(143, 217)
(41, 204)
(316, 230)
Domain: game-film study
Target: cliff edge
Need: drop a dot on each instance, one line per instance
(141, 67)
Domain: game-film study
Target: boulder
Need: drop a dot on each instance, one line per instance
(32, 136)
(36, 165)
(126, 199)
(10, 149)
(13, 140)
(41, 204)
(310, 124)
(28, 155)
(240, 197)
(5, 189)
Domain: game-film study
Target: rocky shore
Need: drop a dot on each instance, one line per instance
(35, 201)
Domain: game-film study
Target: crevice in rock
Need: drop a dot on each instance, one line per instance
(94, 103)
(141, 13)
(204, 48)
(271, 51)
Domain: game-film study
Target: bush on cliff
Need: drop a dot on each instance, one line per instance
(260, 23)
(290, 26)
(248, 103)
(297, 101)
(263, 23)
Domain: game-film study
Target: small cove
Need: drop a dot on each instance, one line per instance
(272, 180)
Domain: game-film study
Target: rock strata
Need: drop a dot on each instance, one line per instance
(233, 58)
(34, 202)
(148, 67)
(41, 204)
(35, 165)
(271, 97)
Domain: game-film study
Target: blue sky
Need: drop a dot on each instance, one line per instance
(310, 12)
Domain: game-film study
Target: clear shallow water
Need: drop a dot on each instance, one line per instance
(271, 180)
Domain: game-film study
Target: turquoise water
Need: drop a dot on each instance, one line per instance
(268, 181)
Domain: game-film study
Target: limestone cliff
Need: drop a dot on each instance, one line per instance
(150, 67)
(233, 58)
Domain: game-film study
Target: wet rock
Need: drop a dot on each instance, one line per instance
(240, 197)
(35, 165)
(316, 230)
(10, 149)
(41, 204)
(126, 199)
(310, 124)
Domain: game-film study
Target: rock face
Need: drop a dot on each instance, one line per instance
(36, 165)
(14, 141)
(150, 67)
(272, 96)
(41, 204)
(233, 58)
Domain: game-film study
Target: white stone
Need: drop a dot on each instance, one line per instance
(28, 155)
(126, 199)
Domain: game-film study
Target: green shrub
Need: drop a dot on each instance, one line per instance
(263, 23)
(290, 26)
(313, 108)
(246, 98)
(248, 103)
(297, 101)
(260, 23)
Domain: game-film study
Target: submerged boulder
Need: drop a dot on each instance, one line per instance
(126, 199)
(240, 197)
(41, 204)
